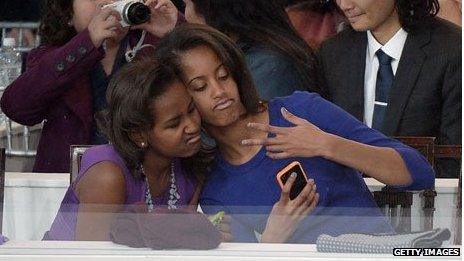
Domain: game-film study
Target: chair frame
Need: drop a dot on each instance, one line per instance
(2, 186)
(76, 152)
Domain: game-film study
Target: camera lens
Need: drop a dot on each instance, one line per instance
(138, 13)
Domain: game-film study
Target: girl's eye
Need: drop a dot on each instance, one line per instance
(224, 77)
(200, 88)
(174, 125)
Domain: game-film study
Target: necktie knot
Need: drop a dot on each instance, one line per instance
(384, 59)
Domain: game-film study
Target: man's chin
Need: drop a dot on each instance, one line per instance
(360, 27)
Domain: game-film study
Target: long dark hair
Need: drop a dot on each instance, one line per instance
(54, 26)
(131, 95)
(265, 23)
(189, 36)
(415, 12)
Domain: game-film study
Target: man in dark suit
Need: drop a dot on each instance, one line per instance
(397, 68)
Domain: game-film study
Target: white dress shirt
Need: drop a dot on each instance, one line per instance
(393, 48)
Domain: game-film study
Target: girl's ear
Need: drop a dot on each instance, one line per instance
(139, 138)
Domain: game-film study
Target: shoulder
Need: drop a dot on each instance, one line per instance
(445, 29)
(259, 55)
(312, 107)
(340, 40)
(103, 183)
(445, 37)
(299, 100)
(100, 153)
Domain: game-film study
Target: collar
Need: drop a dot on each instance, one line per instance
(394, 47)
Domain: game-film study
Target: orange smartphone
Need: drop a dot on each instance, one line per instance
(300, 182)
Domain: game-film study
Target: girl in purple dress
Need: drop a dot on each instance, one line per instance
(154, 130)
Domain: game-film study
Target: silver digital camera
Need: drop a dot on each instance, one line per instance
(133, 12)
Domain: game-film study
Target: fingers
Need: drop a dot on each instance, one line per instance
(304, 194)
(311, 206)
(112, 22)
(224, 227)
(227, 237)
(278, 155)
(160, 5)
(105, 13)
(285, 194)
(306, 204)
(275, 148)
(292, 118)
(226, 219)
(163, 3)
(266, 142)
(267, 128)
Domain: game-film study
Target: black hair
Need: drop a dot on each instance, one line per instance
(413, 13)
(265, 23)
(54, 26)
(189, 36)
(131, 96)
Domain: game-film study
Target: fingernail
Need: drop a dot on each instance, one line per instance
(314, 187)
(293, 175)
(311, 181)
(283, 110)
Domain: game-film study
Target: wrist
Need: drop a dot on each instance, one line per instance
(269, 237)
(96, 42)
(328, 146)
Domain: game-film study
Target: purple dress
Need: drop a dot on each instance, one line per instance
(64, 225)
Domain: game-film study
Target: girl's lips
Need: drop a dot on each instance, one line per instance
(223, 104)
(194, 139)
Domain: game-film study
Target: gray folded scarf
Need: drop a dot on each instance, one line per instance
(363, 243)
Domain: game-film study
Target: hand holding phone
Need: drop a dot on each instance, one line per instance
(287, 213)
(300, 181)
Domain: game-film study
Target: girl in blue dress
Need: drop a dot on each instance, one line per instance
(256, 140)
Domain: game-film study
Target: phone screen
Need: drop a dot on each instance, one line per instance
(299, 183)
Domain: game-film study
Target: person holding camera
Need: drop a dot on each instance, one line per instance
(83, 44)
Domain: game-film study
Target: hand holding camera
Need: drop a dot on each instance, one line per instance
(105, 24)
(163, 17)
(131, 12)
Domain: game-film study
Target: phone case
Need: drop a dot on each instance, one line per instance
(300, 181)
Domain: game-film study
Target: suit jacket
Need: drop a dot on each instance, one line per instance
(56, 89)
(425, 99)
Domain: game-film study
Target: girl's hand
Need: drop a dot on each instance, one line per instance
(224, 228)
(303, 140)
(222, 223)
(163, 17)
(287, 214)
(104, 25)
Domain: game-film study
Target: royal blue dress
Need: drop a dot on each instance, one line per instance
(247, 192)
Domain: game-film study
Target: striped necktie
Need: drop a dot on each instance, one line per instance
(382, 89)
